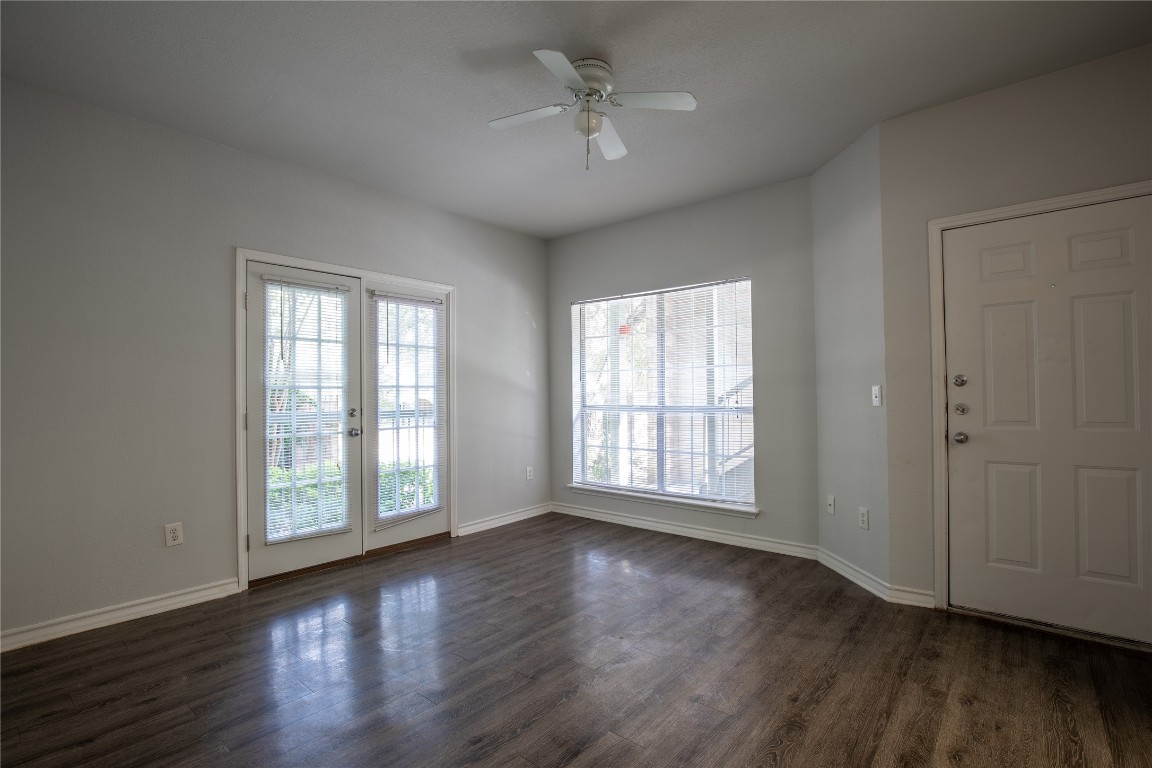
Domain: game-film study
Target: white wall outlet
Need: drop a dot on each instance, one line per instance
(529, 473)
(830, 505)
(864, 518)
(877, 395)
(173, 534)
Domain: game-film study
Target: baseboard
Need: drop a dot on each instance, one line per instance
(102, 617)
(882, 589)
(854, 574)
(504, 518)
(69, 625)
(921, 598)
(692, 531)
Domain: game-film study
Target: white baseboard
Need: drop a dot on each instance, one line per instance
(921, 598)
(504, 518)
(103, 617)
(882, 589)
(854, 574)
(692, 531)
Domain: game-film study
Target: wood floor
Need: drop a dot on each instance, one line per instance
(559, 641)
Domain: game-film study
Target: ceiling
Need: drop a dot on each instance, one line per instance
(397, 95)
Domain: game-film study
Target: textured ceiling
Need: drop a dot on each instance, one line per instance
(397, 95)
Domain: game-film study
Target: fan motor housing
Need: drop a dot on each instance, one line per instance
(596, 73)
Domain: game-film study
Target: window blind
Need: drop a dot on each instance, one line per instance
(408, 413)
(662, 393)
(305, 410)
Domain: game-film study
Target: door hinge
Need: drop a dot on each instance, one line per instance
(245, 420)
(248, 542)
(245, 299)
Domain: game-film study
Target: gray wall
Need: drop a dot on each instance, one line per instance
(118, 323)
(764, 234)
(1079, 129)
(118, 338)
(848, 276)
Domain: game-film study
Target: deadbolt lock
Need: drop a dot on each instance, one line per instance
(959, 379)
(960, 408)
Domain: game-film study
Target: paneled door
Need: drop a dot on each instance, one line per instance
(1050, 417)
(304, 418)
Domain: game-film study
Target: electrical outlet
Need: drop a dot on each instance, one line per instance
(864, 518)
(830, 505)
(529, 473)
(173, 534)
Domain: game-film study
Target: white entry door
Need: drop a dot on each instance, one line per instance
(1049, 343)
(304, 419)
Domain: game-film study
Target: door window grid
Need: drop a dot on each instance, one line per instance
(409, 390)
(305, 414)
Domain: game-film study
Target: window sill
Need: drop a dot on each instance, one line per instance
(696, 505)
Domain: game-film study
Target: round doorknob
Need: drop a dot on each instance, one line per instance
(961, 437)
(354, 432)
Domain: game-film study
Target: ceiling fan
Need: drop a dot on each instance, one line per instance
(591, 86)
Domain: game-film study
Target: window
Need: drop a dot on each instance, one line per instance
(408, 388)
(662, 393)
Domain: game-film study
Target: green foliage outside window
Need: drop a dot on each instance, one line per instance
(406, 487)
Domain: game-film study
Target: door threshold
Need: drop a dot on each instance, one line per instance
(1058, 629)
(423, 541)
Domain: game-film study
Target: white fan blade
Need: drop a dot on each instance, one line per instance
(609, 141)
(560, 66)
(667, 100)
(527, 117)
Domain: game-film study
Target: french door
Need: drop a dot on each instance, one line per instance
(346, 428)
(304, 419)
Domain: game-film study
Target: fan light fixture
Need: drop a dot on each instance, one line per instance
(588, 121)
(591, 84)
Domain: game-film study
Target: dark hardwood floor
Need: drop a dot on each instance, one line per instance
(559, 641)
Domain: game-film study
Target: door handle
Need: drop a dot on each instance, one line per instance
(961, 437)
(354, 432)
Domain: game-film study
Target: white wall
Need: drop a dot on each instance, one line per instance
(118, 336)
(764, 234)
(1079, 129)
(851, 434)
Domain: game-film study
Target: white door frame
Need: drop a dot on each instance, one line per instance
(243, 256)
(936, 229)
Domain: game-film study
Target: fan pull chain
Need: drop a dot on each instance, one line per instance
(588, 140)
